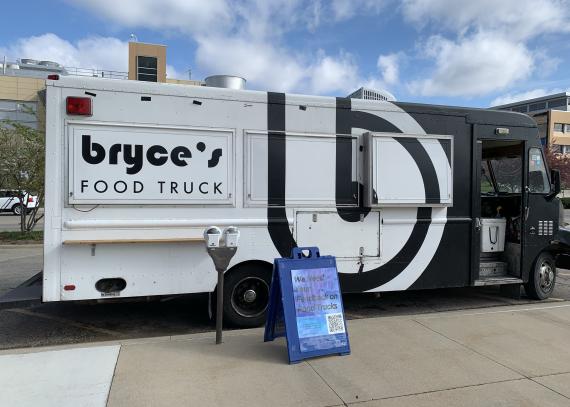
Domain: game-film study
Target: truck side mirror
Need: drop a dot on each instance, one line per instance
(555, 177)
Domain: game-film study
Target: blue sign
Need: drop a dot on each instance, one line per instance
(305, 305)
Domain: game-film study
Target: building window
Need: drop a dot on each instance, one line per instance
(565, 149)
(520, 109)
(557, 103)
(558, 127)
(537, 106)
(147, 69)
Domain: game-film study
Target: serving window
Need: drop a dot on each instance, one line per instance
(408, 170)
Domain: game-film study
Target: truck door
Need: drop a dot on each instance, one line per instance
(540, 219)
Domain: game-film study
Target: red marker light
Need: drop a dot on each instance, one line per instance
(30, 199)
(78, 106)
(69, 287)
(53, 77)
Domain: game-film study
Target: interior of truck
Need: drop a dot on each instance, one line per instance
(502, 167)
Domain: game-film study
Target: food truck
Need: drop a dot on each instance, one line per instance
(406, 196)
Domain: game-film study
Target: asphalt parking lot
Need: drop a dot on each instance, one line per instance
(67, 323)
(10, 223)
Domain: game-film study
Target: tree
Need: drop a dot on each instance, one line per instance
(560, 162)
(22, 166)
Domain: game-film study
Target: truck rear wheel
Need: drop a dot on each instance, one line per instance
(246, 295)
(542, 278)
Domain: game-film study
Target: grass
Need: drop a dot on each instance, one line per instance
(36, 236)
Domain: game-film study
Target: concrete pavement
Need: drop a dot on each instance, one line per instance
(507, 356)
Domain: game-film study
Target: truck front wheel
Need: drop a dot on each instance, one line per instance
(246, 295)
(542, 278)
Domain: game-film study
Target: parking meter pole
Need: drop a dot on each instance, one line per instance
(221, 252)
(219, 307)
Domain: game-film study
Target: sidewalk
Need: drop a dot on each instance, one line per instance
(508, 356)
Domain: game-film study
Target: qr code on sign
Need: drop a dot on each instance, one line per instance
(335, 323)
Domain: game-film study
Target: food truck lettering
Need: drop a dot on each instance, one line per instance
(128, 166)
(157, 155)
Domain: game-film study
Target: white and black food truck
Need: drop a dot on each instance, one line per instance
(406, 196)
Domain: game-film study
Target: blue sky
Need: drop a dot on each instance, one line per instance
(457, 52)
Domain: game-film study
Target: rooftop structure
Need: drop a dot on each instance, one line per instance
(32, 68)
(557, 101)
(372, 94)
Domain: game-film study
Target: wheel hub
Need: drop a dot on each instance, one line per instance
(249, 296)
(546, 276)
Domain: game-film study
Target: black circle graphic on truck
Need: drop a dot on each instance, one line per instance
(346, 120)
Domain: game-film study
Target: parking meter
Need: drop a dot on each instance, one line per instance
(212, 236)
(221, 247)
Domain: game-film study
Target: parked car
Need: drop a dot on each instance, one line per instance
(9, 201)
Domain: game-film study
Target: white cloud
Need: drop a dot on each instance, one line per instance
(389, 68)
(531, 94)
(346, 9)
(474, 66)
(244, 39)
(331, 74)
(93, 52)
(188, 16)
(173, 73)
(488, 49)
(515, 19)
(261, 64)
(268, 67)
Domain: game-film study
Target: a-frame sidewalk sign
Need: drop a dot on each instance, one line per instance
(305, 305)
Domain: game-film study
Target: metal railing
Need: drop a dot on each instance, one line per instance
(17, 68)
(96, 73)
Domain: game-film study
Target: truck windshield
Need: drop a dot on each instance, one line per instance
(507, 172)
(487, 186)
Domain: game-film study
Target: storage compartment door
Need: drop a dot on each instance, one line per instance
(332, 235)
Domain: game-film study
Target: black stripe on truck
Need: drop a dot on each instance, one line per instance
(277, 222)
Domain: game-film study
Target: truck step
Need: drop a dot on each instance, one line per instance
(489, 269)
(497, 281)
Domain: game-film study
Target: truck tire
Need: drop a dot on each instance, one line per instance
(246, 295)
(542, 278)
(17, 209)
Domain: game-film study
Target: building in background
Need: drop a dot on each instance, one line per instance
(552, 115)
(147, 62)
(22, 81)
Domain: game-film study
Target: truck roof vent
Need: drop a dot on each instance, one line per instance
(50, 64)
(28, 61)
(372, 94)
(225, 81)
